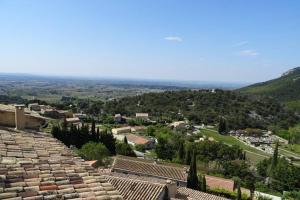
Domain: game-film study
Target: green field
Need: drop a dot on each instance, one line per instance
(295, 148)
(254, 155)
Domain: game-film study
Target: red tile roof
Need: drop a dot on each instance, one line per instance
(37, 166)
(217, 182)
(136, 139)
(149, 168)
(189, 194)
(132, 189)
(222, 183)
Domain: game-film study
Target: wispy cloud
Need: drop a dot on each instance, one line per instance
(173, 38)
(248, 53)
(242, 43)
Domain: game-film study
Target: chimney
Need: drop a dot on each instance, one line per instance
(172, 188)
(20, 117)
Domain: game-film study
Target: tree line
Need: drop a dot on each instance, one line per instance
(78, 136)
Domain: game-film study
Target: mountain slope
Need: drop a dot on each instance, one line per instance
(285, 89)
(204, 106)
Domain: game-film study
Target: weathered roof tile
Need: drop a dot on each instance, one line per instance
(36, 166)
(149, 168)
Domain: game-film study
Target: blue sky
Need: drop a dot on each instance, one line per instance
(234, 41)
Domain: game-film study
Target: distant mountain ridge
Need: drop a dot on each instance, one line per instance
(285, 89)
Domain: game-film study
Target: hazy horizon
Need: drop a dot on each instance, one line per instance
(235, 42)
(130, 81)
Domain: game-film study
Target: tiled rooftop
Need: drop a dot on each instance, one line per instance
(137, 139)
(133, 189)
(149, 168)
(134, 177)
(37, 166)
(189, 194)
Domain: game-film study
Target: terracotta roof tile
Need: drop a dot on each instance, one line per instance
(135, 189)
(189, 194)
(36, 166)
(149, 168)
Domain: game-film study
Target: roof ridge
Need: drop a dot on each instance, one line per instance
(153, 163)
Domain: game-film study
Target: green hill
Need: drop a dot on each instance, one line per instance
(204, 106)
(285, 89)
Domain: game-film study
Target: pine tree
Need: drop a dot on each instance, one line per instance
(192, 179)
(181, 152)
(203, 184)
(125, 140)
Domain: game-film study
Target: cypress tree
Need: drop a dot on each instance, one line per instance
(98, 135)
(72, 135)
(109, 141)
(166, 196)
(236, 182)
(192, 179)
(93, 130)
(181, 152)
(188, 154)
(54, 131)
(203, 184)
(239, 193)
(125, 140)
(64, 129)
(274, 158)
(222, 126)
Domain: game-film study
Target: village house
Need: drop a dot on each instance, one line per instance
(179, 125)
(65, 114)
(56, 114)
(73, 120)
(81, 116)
(50, 112)
(138, 129)
(119, 118)
(142, 116)
(122, 130)
(34, 107)
(140, 140)
(19, 116)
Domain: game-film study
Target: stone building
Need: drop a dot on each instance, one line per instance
(20, 117)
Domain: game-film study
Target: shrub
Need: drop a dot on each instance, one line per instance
(93, 151)
(124, 149)
(140, 147)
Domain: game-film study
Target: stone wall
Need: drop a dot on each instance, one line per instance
(7, 118)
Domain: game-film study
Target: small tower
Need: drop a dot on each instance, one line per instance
(20, 117)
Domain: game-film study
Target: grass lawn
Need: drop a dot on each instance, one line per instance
(253, 154)
(295, 148)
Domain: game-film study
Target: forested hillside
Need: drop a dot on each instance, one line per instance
(285, 89)
(204, 106)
